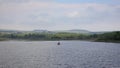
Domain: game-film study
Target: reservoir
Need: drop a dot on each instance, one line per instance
(69, 54)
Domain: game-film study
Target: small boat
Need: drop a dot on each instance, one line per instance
(58, 43)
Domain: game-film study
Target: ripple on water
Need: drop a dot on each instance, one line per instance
(71, 54)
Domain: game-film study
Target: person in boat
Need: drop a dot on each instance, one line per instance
(58, 43)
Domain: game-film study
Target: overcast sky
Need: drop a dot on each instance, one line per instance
(93, 15)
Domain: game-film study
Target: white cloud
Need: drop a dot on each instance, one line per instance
(73, 14)
(50, 15)
(52, 6)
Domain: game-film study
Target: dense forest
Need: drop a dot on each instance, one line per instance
(105, 37)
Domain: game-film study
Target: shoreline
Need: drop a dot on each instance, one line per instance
(61, 40)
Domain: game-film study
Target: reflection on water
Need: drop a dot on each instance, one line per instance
(70, 54)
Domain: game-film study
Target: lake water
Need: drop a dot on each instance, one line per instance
(70, 54)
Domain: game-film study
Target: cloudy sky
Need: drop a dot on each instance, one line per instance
(93, 15)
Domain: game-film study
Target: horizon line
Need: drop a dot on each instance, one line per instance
(58, 30)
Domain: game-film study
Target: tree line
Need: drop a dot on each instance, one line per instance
(110, 36)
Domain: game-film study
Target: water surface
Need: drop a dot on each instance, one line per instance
(70, 54)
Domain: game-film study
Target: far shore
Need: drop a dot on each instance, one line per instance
(60, 40)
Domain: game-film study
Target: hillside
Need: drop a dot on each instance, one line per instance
(75, 31)
(61, 35)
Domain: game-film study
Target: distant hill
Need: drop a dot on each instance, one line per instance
(3, 30)
(79, 31)
(41, 31)
(74, 31)
(57, 31)
(9, 31)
